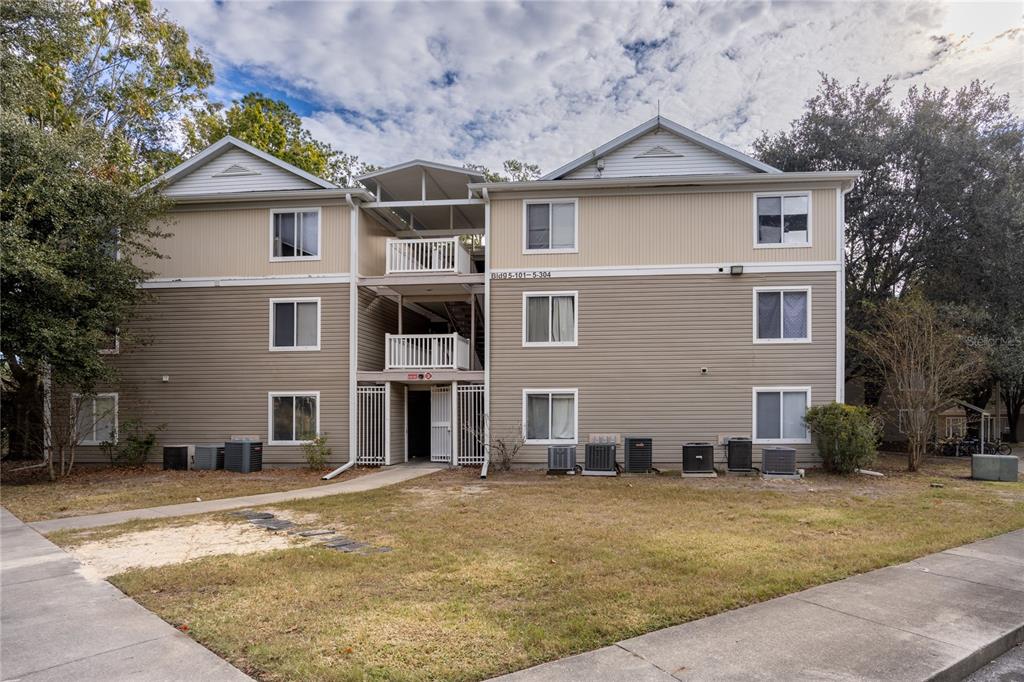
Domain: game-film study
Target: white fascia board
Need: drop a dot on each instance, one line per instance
(670, 181)
(652, 270)
(266, 280)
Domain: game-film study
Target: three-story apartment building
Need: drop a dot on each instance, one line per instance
(661, 285)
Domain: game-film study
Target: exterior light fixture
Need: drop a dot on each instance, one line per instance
(735, 269)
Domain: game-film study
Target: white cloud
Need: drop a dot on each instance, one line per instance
(545, 82)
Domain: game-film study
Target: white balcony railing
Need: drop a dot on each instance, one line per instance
(440, 255)
(426, 351)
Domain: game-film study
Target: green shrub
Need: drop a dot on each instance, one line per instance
(846, 435)
(134, 445)
(316, 451)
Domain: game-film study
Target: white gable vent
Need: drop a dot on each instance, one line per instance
(658, 150)
(236, 169)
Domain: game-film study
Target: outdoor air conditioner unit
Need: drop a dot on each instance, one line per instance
(209, 457)
(698, 458)
(599, 459)
(176, 457)
(243, 456)
(740, 454)
(778, 461)
(638, 455)
(561, 458)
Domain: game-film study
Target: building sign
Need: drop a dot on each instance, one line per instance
(530, 274)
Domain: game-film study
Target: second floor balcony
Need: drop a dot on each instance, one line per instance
(426, 351)
(445, 255)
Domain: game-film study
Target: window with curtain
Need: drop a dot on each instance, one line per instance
(294, 418)
(783, 219)
(550, 319)
(295, 324)
(779, 415)
(550, 225)
(782, 315)
(550, 417)
(296, 234)
(96, 421)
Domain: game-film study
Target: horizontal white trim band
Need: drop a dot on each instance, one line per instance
(649, 270)
(265, 280)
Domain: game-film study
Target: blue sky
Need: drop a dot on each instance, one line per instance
(547, 81)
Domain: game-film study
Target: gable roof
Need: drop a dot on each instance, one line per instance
(223, 145)
(660, 122)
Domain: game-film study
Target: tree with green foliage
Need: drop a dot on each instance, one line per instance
(116, 67)
(512, 170)
(939, 206)
(272, 126)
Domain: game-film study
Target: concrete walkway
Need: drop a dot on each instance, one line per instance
(385, 477)
(940, 617)
(57, 625)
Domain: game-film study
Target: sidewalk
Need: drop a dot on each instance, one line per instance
(384, 477)
(57, 625)
(940, 617)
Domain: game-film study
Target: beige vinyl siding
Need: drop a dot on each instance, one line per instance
(208, 178)
(377, 316)
(397, 417)
(373, 239)
(630, 160)
(235, 242)
(642, 343)
(213, 344)
(661, 228)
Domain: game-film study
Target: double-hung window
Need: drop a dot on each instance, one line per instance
(549, 416)
(96, 421)
(779, 415)
(549, 318)
(549, 225)
(294, 417)
(295, 234)
(782, 219)
(782, 315)
(295, 324)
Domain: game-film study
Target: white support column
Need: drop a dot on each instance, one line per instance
(472, 331)
(400, 315)
(455, 423)
(487, 334)
(423, 185)
(353, 330)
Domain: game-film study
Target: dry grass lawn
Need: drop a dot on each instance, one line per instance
(31, 496)
(491, 576)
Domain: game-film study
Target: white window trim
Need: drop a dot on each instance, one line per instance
(77, 398)
(286, 349)
(768, 290)
(270, 415)
(753, 411)
(576, 319)
(319, 233)
(117, 346)
(786, 245)
(575, 228)
(575, 416)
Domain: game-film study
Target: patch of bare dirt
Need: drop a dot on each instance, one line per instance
(175, 545)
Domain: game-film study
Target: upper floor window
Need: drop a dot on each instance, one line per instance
(295, 324)
(549, 318)
(783, 219)
(782, 315)
(549, 225)
(779, 415)
(96, 419)
(295, 234)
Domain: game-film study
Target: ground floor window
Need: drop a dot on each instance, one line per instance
(550, 415)
(779, 414)
(96, 419)
(294, 417)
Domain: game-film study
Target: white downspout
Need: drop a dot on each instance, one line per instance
(487, 334)
(353, 334)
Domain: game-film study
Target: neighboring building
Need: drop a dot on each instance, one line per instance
(661, 285)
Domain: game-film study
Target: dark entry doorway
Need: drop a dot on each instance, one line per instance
(419, 424)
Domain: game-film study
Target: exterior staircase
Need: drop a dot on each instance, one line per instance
(459, 316)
